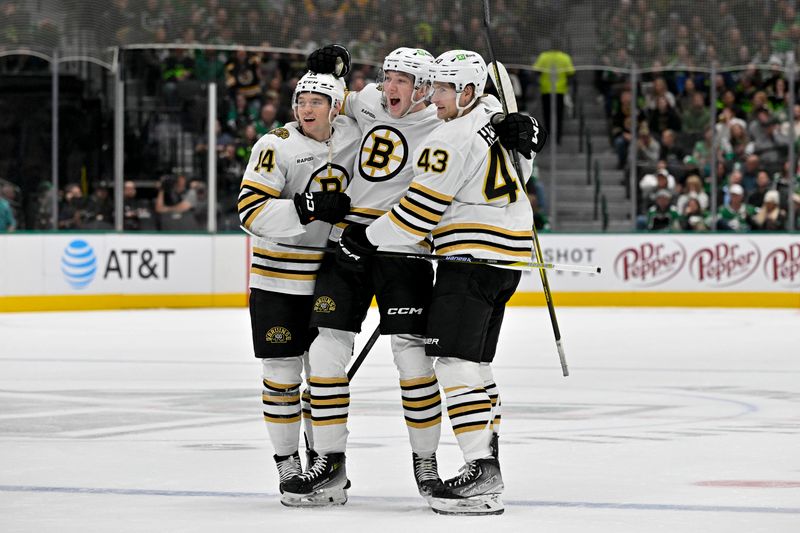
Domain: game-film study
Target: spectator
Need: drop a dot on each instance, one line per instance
(663, 117)
(794, 122)
(621, 128)
(10, 194)
(137, 212)
(772, 147)
(175, 204)
(702, 152)
(659, 90)
(267, 120)
(752, 165)
(672, 154)
(770, 217)
(693, 217)
(71, 210)
(647, 148)
(242, 76)
(735, 215)
(540, 220)
(696, 118)
(654, 182)
(553, 58)
(763, 183)
(663, 216)
(99, 209)
(694, 189)
(7, 221)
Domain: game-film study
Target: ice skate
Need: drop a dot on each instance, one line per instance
(323, 484)
(426, 474)
(476, 491)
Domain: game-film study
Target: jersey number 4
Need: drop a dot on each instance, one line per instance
(266, 160)
(499, 181)
(425, 160)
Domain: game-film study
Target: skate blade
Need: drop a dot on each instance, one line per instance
(323, 498)
(485, 504)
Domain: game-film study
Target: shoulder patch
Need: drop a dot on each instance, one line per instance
(283, 133)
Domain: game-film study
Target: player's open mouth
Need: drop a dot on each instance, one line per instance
(394, 102)
(309, 119)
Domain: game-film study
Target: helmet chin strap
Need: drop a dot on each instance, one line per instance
(462, 109)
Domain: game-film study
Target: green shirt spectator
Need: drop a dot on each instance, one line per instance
(7, 220)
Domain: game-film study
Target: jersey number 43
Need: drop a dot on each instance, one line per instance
(499, 180)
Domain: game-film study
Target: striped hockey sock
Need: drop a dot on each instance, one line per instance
(422, 406)
(281, 406)
(470, 412)
(330, 401)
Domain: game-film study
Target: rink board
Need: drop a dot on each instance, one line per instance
(71, 271)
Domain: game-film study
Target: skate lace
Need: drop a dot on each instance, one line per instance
(317, 469)
(425, 468)
(288, 468)
(466, 473)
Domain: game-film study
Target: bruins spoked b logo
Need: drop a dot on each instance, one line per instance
(383, 154)
(324, 304)
(329, 178)
(279, 335)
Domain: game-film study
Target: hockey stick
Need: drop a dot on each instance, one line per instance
(521, 265)
(364, 351)
(507, 105)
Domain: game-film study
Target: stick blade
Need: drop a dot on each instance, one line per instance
(504, 83)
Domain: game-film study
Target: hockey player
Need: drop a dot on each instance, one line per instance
(291, 192)
(467, 194)
(394, 118)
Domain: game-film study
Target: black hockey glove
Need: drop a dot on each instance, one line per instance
(520, 132)
(354, 248)
(330, 59)
(325, 206)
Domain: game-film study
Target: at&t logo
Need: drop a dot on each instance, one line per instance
(78, 264)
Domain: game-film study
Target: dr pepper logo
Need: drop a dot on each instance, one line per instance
(650, 264)
(782, 265)
(724, 263)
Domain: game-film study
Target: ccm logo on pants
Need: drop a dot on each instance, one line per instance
(404, 311)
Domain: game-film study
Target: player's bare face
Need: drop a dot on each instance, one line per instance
(444, 98)
(398, 87)
(313, 113)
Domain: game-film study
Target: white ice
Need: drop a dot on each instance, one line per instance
(672, 420)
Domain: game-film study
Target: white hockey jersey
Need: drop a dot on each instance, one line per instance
(465, 192)
(285, 162)
(383, 168)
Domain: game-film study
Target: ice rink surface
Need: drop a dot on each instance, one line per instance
(674, 420)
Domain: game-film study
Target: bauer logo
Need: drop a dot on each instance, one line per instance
(782, 265)
(78, 264)
(725, 264)
(650, 264)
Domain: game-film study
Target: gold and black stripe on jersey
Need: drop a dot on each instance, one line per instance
(455, 238)
(298, 266)
(363, 215)
(253, 198)
(281, 402)
(330, 400)
(420, 210)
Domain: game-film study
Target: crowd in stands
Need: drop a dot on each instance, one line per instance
(673, 139)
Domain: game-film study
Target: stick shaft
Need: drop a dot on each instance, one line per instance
(537, 248)
(522, 265)
(363, 354)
